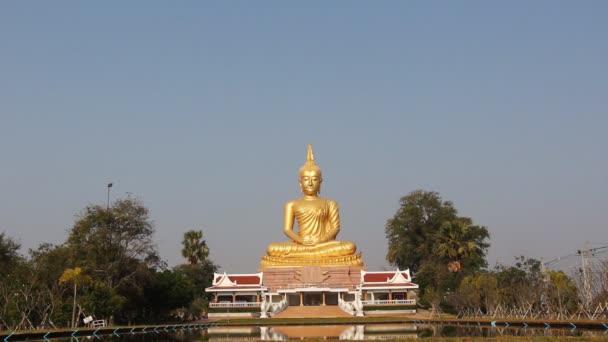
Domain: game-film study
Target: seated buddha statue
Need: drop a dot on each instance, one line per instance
(318, 222)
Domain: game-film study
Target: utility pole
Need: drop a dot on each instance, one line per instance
(586, 282)
(546, 279)
(543, 271)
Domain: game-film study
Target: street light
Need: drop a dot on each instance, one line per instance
(108, 204)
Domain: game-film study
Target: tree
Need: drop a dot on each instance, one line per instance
(411, 231)
(178, 289)
(76, 277)
(111, 267)
(521, 286)
(29, 291)
(458, 240)
(562, 293)
(425, 228)
(199, 270)
(114, 245)
(48, 262)
(12, 276)
(427, 236)
(195, 247)
(478, 293)
(8, 252)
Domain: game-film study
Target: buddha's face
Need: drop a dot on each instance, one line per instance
(310, 182)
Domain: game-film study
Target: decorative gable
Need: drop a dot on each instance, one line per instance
(400, 277)
(386, 277)
(222, 280)
(231, 280)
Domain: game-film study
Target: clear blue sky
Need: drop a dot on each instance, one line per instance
(203, 110)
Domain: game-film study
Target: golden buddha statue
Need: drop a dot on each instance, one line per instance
(318, 221)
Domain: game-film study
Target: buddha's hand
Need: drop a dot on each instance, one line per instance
(310, 241)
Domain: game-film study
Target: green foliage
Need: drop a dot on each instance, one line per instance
(477, 291)
(459, 241)
(8, 253)
(199, 307)
(522, 285)
(411, 231)
(115, 243)
(425, 227)
(194, 247)
(562, 292)
(168, 290)
(427, 236)
(29, 289)
(181, 287)
(101, 301)
(108, 267)
(14, 292)
(76, 277)
(49, 262)
(200, 274)
(433, 274)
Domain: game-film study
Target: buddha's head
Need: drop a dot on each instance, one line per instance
(310, 177)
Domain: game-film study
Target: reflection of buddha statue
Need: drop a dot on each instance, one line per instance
(318, 224)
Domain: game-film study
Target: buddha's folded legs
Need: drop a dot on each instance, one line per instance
(291, 249)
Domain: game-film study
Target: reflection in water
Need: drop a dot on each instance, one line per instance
(342, 332)
(380, 331)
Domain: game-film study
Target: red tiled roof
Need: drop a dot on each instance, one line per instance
(245, 280)
(381, 276)
(388, 284)
(234, 287)
(378, 277)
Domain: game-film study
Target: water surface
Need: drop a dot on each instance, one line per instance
(342, 332)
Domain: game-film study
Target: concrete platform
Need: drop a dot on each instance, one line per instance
(312, 312)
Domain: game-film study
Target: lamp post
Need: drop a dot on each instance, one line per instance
(108, 204)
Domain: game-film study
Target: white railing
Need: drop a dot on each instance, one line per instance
(390, 302)
(235, 305)
(312, 285)
(278, 307)
(346, 306)
(99, 323)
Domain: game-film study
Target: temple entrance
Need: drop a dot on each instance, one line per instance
(331, 298)
(313, 299)
(293, 299)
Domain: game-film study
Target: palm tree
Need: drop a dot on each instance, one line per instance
(76, 277)
(459, 241)
(195, 247)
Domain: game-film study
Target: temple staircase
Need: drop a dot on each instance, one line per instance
(312, 312)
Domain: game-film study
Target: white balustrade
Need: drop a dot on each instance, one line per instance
(346, 306)
(278, 307)
(390, 302)
(235, 305)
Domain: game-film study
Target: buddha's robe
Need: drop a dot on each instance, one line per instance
(318, 221)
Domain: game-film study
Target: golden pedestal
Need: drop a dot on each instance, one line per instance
(348, 260)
